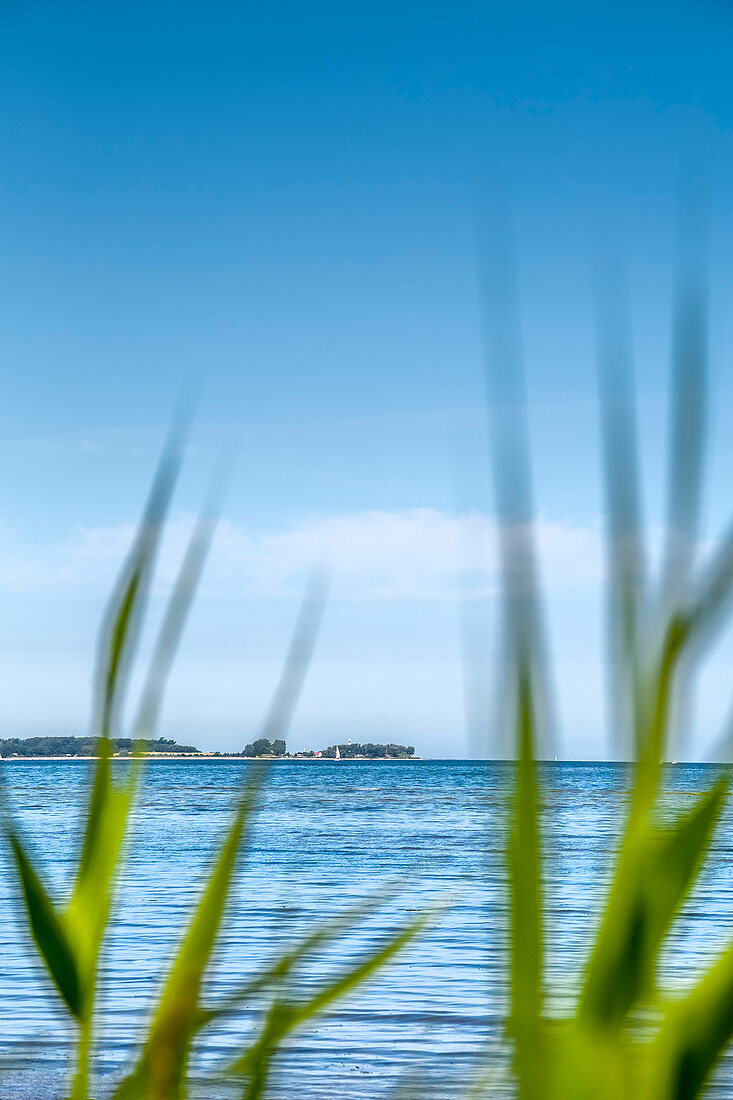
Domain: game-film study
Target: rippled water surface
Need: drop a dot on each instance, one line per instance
(325, 835)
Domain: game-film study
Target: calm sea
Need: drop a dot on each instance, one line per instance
(325, 835)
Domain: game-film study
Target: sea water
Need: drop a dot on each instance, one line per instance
(325, 835)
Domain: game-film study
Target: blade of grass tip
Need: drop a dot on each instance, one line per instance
(689, 366)
(172, 626)
(47, 928)
(524, 624)
(299, 656)
(689, 371)
(325, 933)
(171, 629)
(161, 1070)
(627, 570)
(170, 633)
(657, 716)
(285, 1016)
(712, 593)
(177, 610)
(116, 643)
(119, 630)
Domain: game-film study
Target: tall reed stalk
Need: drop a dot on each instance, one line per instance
(627, 1038)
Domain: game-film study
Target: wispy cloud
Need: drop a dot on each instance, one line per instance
(375, 555)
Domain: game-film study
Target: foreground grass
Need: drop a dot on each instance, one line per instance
(625, 1038)
(69, 935)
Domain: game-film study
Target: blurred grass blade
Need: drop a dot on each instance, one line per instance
(108, 810)
(711, 597)
(298, 658)
(325, 933)
(599, 1003)
(675, 859)
(695, 1032)
(525, 903)
(162, 1068)
(654, 877)
(655, 710)
(119, 802)
(88, 910)
(161, 1072)
(48, 929)
(689, 376)
(526, 674)
(119, 628)
(285, 1016)
(525, 640)
(689, 381)
(626, 566)
(176, 614)
(116, 644)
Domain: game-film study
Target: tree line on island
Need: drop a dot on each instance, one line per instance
(261, 748)
(86, 746)
(350, 751)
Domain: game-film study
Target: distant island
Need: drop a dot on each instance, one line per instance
(261, 749)
(350, 751)
(87, 746)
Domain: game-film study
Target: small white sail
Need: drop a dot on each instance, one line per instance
(338, 754)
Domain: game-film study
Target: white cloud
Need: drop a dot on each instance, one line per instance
(412, 554)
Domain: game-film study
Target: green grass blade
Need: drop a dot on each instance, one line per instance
(694, 1033)
(689, 371)
(91, 901)
(119, 628)
(654, 877)
(675, 859)
(48, 929)
(160, 1074)
(626, 565)
(601, 1001)
(526, 903)
(117, 641)
(174, 620)
(285, 1017)
(529, 701)
(298, 658)
(713, 591)
(89, 908)
(161, 1071)
(112, 824)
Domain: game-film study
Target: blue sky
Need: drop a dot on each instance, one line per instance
(277, 203)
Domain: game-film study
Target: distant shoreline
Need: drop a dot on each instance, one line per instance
(202, 756)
